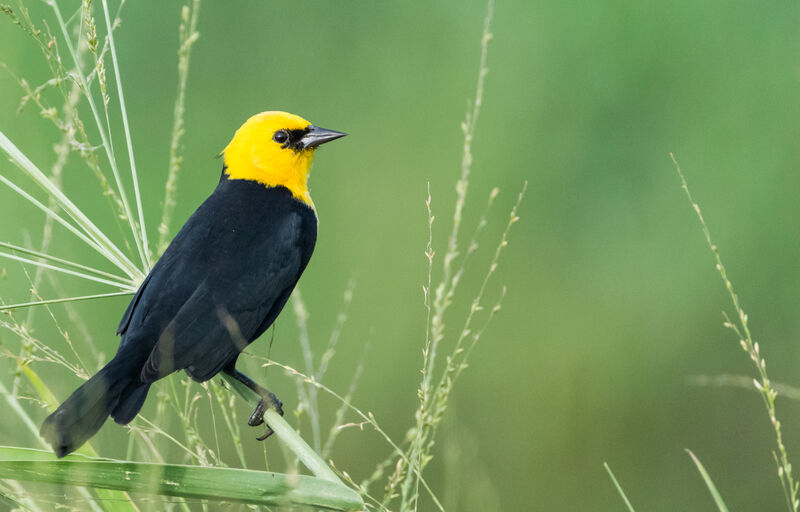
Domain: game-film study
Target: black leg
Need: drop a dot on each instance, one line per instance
(268, 399)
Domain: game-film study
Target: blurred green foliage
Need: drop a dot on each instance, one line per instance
(613, 300)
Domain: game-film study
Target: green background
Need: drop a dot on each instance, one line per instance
(613, 301)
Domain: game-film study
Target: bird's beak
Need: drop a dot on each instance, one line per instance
(317, 136)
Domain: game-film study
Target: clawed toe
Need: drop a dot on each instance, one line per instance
(265, 435)
(268, 400)
(257, 418)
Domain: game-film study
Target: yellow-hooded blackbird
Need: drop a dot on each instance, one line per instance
(219, 285)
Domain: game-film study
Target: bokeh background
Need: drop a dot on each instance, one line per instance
(613, 301)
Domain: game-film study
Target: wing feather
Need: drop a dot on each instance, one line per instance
(229, 309)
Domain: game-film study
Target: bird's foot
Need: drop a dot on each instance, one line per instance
(268, 401)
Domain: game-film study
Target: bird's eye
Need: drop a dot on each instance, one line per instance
(280, 136)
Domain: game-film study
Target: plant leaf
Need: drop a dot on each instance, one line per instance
(210, 483)
(619, 488)
(711, 487)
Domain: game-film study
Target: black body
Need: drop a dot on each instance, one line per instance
(219, 285)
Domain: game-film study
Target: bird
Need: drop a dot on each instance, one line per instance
(218, 286)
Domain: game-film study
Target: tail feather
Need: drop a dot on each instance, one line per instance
(112, 389)
(130, 403)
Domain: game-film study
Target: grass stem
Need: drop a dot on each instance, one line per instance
(741, 328)
(287, 434)
(619, 488)
(104, 131)
(65, 299)
(145, 252)
(187, 35)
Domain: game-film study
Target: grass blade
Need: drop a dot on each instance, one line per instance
(619, 488)
(105, 133)
(50, 212)
(210, 483)
(63, 262)
(42, 264)
(114, 501)
(68, 206)
(711, 487)
(10, 503)
(65, 299)
(134, 176)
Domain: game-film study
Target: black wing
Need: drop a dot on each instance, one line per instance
(221, 283)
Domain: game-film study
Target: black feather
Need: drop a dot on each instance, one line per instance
(219, 285)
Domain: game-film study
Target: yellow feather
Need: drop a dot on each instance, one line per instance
(253, 155)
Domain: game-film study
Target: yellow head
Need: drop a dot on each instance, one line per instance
(276, 149)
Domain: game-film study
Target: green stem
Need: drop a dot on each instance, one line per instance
(145, 253)
(287, 434)
(66, 263)
(105, 135)
(65, 270)
(66, 299)
(111, 251)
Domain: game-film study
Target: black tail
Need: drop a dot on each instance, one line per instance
(115, 390)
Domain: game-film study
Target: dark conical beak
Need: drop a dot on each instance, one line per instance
(317, 136)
